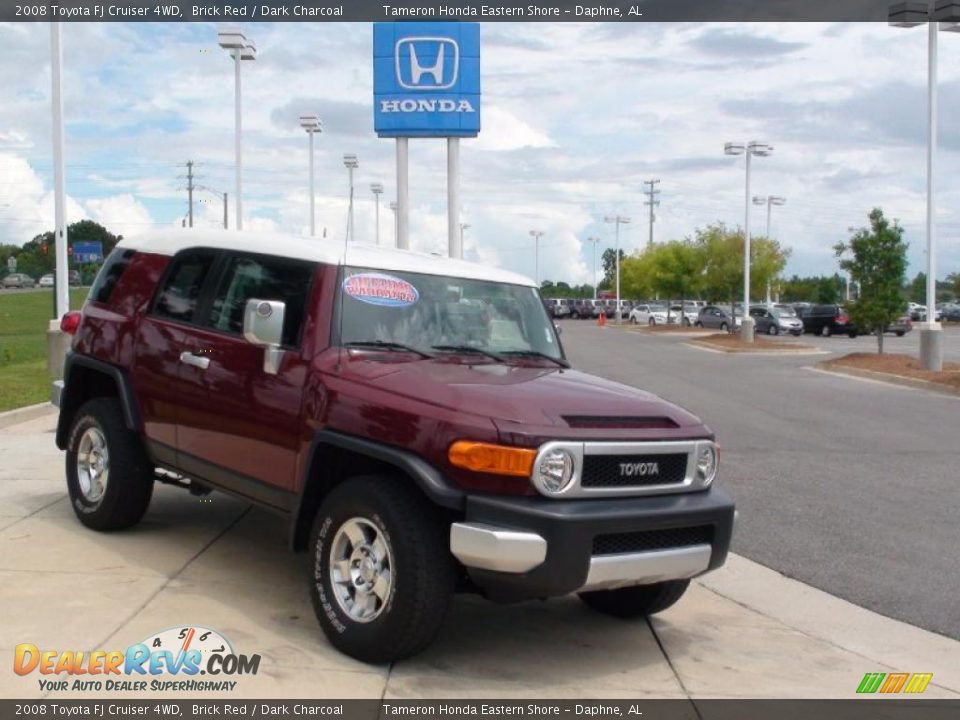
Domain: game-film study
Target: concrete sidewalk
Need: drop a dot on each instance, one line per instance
(743, 631)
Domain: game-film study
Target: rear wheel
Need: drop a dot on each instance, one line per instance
(382, 574)
(774, 329)
(826, 331)
(652, 321)
(633, 319)
(686, 322)
(724, 327)
(637, 601)
(900, 333)
(109, 477)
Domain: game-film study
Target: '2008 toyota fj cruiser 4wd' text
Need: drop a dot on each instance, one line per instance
(414, 418)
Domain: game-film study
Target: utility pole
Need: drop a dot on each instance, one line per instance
(190, 177)
(651, 192)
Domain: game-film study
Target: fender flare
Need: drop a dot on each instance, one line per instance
(70, 400)
(431, 481)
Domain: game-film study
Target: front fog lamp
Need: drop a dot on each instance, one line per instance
(554, 472)
(706, 463)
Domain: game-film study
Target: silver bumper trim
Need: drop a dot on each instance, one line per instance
(56, 391)
(608, 572)
(491, 548)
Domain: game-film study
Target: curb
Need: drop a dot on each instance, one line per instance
(710, 347)
(889, 378)
(20, 415)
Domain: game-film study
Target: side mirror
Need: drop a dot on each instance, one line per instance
(263, 325)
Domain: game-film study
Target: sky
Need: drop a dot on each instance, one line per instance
(575, 118)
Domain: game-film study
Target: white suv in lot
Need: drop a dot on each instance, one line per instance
(646, 314)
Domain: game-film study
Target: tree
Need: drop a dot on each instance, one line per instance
(917, 291)
(37, 256)
(677, 269)
(876, 258)
(954, 280)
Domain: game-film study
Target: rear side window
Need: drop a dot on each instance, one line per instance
(263, 278)
(110, 274)
(181, 289)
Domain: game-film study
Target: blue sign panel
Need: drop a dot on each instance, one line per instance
(426, 79)
(88, 252)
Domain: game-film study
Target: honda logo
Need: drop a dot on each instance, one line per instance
(427, 63)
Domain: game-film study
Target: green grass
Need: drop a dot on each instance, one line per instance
(24, 319)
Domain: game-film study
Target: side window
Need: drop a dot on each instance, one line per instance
(263, 278)
(109, 275)
(181, 289)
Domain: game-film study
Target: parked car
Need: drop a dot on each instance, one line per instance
(715, 317)
(582, 308)
(47, 281)
(74, 278)
(900, 327)
(825, 320)
(18, 280)
(917, 312)
(557, 308)
(341, 391)
(774, 320)
(951, 312)
(687, 315)
(646, 314)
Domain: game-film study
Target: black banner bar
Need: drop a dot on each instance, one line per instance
(865, 709)
(243, 11)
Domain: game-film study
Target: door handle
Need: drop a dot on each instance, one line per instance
(188, 358)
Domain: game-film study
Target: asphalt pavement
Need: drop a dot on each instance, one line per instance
(848, 485)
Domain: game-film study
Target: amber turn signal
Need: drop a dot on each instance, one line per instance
(489, 458)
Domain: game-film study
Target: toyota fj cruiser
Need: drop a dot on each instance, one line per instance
(414, 417)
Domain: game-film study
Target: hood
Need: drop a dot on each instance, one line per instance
(519, 394)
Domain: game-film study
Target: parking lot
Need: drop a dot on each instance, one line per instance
(812, 461)
(846, 484)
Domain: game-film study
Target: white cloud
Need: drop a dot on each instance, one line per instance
(121, 214)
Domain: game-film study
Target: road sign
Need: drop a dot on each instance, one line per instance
(426, 79)
(88, 252)
(12, 264)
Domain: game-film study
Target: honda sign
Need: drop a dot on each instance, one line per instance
(426, 79)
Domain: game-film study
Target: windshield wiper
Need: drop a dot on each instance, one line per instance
(536, 354)
(385, 345)
(469, 349)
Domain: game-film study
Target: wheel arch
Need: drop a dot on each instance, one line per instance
(335, 457)
(85, 378)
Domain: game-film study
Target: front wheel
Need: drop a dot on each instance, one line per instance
(637, 601)
(633, 319)
(651, 322)
(773, 330)
(382, 575)
(109, 477)
(698, 324)
(724, 327)
(826, 331)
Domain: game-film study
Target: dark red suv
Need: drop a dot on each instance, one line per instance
(413, 417)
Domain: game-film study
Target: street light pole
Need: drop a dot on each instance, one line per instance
(594, 240)
(313, 125)
(769, 201)
(618, 220)
(463, 226)
(241, 48)
(536, 235)
(61, 289)
(377, 190)
(750, 149)
(945, 16)
(396, 226)
(351, 163)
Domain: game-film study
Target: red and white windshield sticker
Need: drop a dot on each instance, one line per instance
(381, 289)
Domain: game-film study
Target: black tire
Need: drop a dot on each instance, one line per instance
(773, 329)
(698, 324)
(651, 321)
(633, 319)
(852, 335)
(637, 601)
(574, 316)
(686, 322)
(724, 327)
(900, 333)
(129, 483)
(422, 570)
(826, 331)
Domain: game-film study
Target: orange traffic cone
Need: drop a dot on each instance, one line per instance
(602, 320)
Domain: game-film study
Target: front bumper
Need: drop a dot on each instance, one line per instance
(523, 548)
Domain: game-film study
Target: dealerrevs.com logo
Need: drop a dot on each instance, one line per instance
(187, 659)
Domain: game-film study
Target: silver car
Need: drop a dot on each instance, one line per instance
(773, 320)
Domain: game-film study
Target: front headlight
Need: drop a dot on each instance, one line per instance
(554, 472)
(706, 463)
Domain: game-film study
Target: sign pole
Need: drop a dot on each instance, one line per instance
(403, 193)
(455, 239)
(61, 290)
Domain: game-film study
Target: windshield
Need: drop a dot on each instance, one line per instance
(785, 312)
(434, 312)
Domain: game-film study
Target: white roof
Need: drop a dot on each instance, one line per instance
(330, 252)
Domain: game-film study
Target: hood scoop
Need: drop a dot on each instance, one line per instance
(628, 423)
